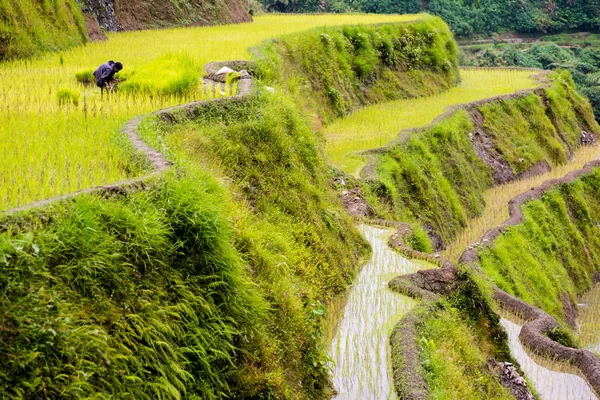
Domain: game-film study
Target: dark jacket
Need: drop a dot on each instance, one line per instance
(105, 73)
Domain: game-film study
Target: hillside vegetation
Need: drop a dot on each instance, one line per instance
(31, 27)
(470, 17)
(579, 53)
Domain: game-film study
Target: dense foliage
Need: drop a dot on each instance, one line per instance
(29, 27)
(470, 17)
(581, 57)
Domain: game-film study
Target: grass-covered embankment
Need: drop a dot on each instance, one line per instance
(209, 284)
(550, 258)
(424, 178)
(377, 125)
(30, 27)
(333, 71)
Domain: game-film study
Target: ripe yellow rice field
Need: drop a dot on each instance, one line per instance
(376, 126)
(48, 149)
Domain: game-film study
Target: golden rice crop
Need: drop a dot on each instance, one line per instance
(49, 148)
(377, 125)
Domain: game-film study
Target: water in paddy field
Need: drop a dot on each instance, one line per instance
(549, 384)
(360, 348)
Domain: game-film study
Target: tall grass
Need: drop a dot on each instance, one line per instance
(48, 149)
(300, 246)
(377, 125)
(143, 296)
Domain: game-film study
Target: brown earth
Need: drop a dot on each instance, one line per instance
(93, 31)
(148, 14)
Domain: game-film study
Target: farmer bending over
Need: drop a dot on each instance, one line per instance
(105, 74)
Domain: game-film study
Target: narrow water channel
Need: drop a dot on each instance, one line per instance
(360, 347)
(550, 385)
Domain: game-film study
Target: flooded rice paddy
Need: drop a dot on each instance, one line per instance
(550, 385)
(360, 347)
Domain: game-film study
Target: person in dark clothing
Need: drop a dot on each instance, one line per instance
(105, 74)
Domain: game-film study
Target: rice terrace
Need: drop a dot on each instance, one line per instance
(298, 199)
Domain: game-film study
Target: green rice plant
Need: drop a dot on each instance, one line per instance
(85, 76)
(170, 74)
(67, 97)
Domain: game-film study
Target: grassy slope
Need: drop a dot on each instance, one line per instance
(555, 250)
(30, 27)
(332, 72)
(376, 126)
(426, 180)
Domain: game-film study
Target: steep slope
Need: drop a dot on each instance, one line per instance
(29, 27)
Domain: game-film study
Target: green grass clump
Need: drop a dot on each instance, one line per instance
(555, 250)
(340, 69)
(85, 76)
(67, 97)
(170, 74)
(453, 359)
(145, 295)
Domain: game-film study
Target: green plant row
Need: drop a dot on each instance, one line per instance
(336, 70)
(556, 250)
(436, 176)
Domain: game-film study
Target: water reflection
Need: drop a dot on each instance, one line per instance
(360, 348)
(549, 384)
